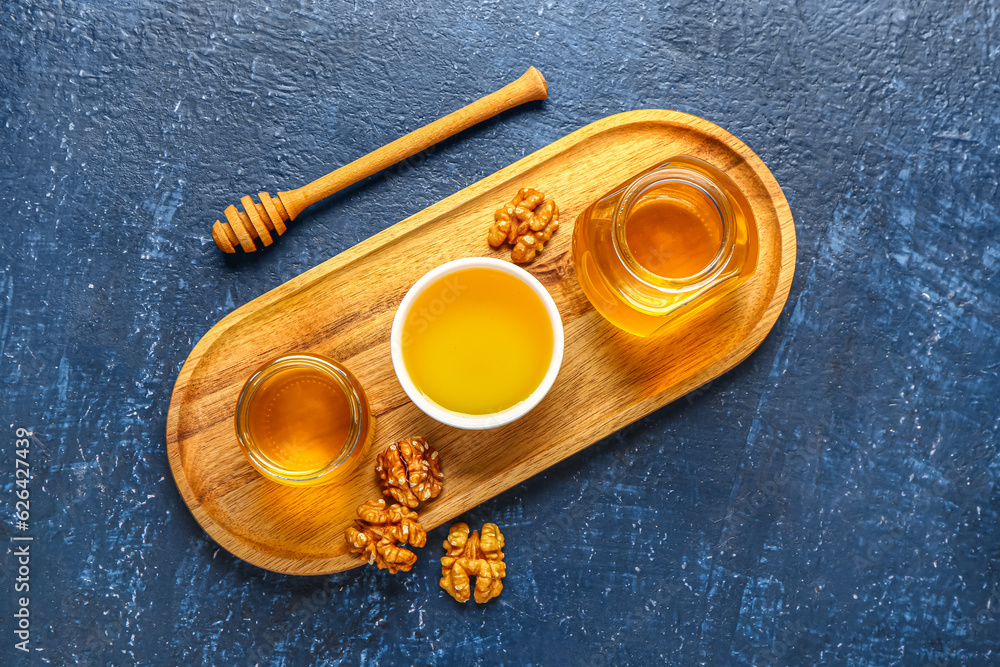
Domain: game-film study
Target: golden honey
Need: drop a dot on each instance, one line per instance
(302, 418)
(670, 241)
(477, 341)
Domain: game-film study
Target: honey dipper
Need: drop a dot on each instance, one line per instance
(259, 220)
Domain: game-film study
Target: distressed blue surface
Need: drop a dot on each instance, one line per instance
(834, 499)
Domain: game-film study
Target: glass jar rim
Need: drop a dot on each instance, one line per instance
(675, 171)
(334, 370)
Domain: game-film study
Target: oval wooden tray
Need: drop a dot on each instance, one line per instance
(344, 307)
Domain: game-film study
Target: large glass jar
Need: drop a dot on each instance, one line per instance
(667, 242)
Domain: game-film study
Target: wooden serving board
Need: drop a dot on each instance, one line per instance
(344, 307)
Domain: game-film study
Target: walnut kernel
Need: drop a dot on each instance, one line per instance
(472, 555)
(527, 222)
(378, 530)
(410, 471)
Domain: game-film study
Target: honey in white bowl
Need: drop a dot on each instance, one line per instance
(477, 341)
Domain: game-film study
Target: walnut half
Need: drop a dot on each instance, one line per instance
(410, 471)
(378, 530)
(527, 222)
(472, 555)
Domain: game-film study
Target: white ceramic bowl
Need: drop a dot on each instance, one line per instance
(457, 419)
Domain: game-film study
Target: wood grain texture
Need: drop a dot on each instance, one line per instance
(344, 307)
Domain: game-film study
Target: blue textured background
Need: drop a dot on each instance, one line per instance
(834, 499)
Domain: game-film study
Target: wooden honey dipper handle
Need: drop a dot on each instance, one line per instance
(259, 220)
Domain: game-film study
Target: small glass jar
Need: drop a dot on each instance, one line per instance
(667, 242)
(303, 420)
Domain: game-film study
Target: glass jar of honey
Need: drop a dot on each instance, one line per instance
(666, 243)
(303, 420)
